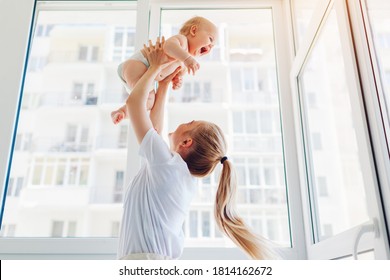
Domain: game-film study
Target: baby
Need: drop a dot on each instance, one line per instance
(196, 38)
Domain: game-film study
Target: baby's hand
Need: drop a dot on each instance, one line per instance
(192, 65)
(177, 81)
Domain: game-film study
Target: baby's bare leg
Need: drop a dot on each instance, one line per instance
(132, 72)
(121, 113)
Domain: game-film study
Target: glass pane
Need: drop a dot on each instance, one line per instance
(71, 163)
(336, 177)
(379, 17)
(302, 13)
(236, 88)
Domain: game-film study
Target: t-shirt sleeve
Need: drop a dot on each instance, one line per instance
(154, 149)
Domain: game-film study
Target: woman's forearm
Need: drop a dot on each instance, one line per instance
(157, 112)
(136, 103)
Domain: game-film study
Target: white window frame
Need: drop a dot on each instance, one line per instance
(13, 53)
(340, 245)
(373, 96)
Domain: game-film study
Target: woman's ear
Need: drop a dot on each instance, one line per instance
(193, 30)
(187, 143)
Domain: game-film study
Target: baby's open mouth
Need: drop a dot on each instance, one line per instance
(203, 50)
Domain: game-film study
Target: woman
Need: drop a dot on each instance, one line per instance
(158, 199)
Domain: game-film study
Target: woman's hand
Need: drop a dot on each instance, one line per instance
(155, 53)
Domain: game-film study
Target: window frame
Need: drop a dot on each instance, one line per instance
(340, 245)
(283, 59)
(373, 95)
(105, 248)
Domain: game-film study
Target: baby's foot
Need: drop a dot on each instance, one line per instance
(117, 116)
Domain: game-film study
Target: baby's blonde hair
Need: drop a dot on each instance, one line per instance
(207, 151)
(186, 27)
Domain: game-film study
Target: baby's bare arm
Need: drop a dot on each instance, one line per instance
(176, 47)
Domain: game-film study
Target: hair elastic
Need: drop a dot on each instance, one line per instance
(223, 159)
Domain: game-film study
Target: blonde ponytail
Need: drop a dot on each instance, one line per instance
(208, 150)
(232, 225)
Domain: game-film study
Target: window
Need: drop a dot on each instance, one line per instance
(193, 223)
(378, 14)
(23, 141)
(124, 41)
(334, 161)
(322, 186)
(317, 142)
(15, 186)
(37, 63)
(51, 171)
(115, 227)
(8, 230)
(122, 139)
(205, 224)
(63, 229)
(303, 11)
(242, 98)
(65, 147)
(43, 30)
(118, 187)
(84, 93)
(88, 53)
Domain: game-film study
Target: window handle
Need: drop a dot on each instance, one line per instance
(371, 226)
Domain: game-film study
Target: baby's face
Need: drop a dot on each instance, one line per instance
(203, 39)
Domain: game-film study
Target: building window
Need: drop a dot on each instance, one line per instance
(193, 224)
(23, 141)
(37, 63)
(384, 40)
(15, 186)
(76, 138)
(115, 227)
(195, 91)
(322, 186)
(60, 171)
(118, 187)
(258, 122)
(88, 53)
(43, 30)
(327, 230)
(205, 224)
(84, 93)
(63, 229)
(317, 141)
(8, 230)
(122, 139)
(124, 42)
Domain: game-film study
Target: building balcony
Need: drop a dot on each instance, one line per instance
(58, 145)
(105, 195)
(215, 95)
(69, 99)
(54, 196)
(109, 142)
(267, 144)
(255, 98)
(57, 99)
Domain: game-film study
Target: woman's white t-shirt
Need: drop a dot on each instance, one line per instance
(156, 202)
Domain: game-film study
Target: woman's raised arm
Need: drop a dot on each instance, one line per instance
(136, 102)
